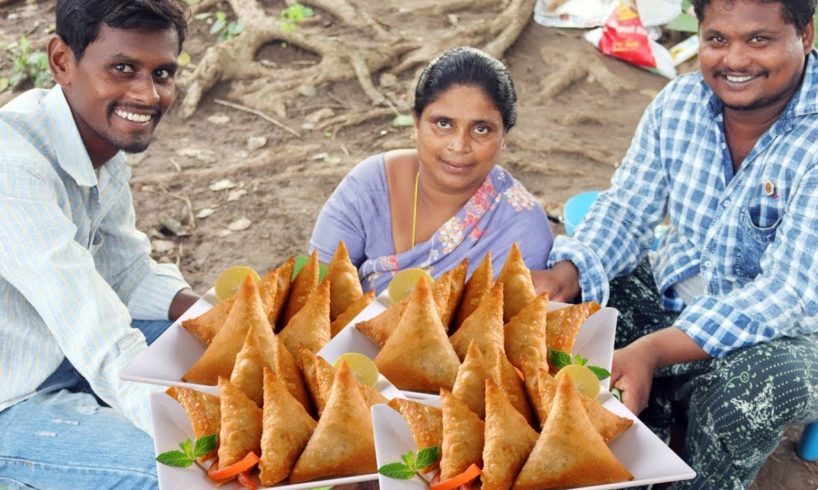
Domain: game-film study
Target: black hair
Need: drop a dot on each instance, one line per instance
(470, 67)
(79, 21)
(796, 12)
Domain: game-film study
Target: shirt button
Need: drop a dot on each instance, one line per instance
(707, 264)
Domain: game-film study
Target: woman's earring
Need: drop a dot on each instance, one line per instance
(414, 135)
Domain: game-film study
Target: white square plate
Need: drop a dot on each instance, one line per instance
(176, 350)
(647, 458)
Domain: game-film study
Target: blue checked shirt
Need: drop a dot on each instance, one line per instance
(752, 235)
(73, 268)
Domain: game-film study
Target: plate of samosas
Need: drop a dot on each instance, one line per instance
(575, 442)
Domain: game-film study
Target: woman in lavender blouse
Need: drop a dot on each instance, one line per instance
(447, 199)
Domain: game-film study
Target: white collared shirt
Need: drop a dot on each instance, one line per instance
(74, 269)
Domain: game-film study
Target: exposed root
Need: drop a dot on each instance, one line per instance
(371, 48)
(346, 120)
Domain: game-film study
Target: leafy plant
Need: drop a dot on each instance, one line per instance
(221, 27)
(293, 15)
(28, 66)
(410, 463)
(560, 359)
(189, 452)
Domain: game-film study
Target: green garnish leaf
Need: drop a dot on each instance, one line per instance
(428, 456)
(175, 458)
(189, 452)
(559, 359)
(409, 460)
(601, 373)
(397, 470)
(204, 445)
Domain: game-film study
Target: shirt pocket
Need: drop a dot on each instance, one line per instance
(758, 223)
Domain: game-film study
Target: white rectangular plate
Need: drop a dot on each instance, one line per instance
(175, 351)
(647, 458)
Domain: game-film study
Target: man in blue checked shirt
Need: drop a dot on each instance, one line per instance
(717, 329)
(79, 294)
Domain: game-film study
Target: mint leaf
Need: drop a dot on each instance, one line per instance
(601, 373)
(409, 460)
(578, 359)
(187, 448)
(204, 445)
(559, 359)
(428, 456)
(175, 458)
(398, 471)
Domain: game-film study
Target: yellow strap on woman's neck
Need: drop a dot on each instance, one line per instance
(415, 208)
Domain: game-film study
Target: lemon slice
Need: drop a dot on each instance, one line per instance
(361, 366)
(230, 281)
(404, 281)
(584, 379)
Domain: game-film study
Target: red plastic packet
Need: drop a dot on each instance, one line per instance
(624, 37)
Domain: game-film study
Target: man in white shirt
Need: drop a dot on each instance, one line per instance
(79, 293)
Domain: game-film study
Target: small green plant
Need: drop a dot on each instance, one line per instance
(221, 27)
(28, 67)
(293, 15)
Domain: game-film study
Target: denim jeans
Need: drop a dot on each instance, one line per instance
(65, 437)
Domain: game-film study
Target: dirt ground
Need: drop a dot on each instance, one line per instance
(226, 187)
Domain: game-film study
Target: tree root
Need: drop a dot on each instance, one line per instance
(371, 47)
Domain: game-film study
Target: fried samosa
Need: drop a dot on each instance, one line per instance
(525, 334)
(476, 287)
(345, 287)
(302, 287)
(485, 325)
(207, 325)
(241, 423)
(347, 316)
(462, 437)
(470, 384)
(310, 326)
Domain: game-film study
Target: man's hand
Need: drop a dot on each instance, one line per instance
(633, 366)
(632, 373)
(183, 300)
(561, 282)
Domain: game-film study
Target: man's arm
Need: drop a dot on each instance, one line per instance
(617, 232)
(634, 365)
(183, 300)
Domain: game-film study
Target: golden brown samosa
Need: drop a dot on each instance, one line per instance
(345, 287)
(584, 458)
(470, 384)
(441, 288)
(476, 287)
(562, 326)
(381, 326)
(525, 334)
(343, 442)
(519, 287)
(218, 359)
(248, 369)
(485, 325)
(240, 431)
(418, 355)
(310, 326)
(458, 284)
(462, 437)
(425, 421)
(347, 316)
(507, 378)
(509, 440)
(532, 387)
(203, 412)
(302, 287)
(207, 325)
(287, 371)
(286, 428)
(284, 277)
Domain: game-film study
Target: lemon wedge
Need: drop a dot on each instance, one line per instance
(361, 367)
(230, 281)
(404, 281)
(584, 379)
